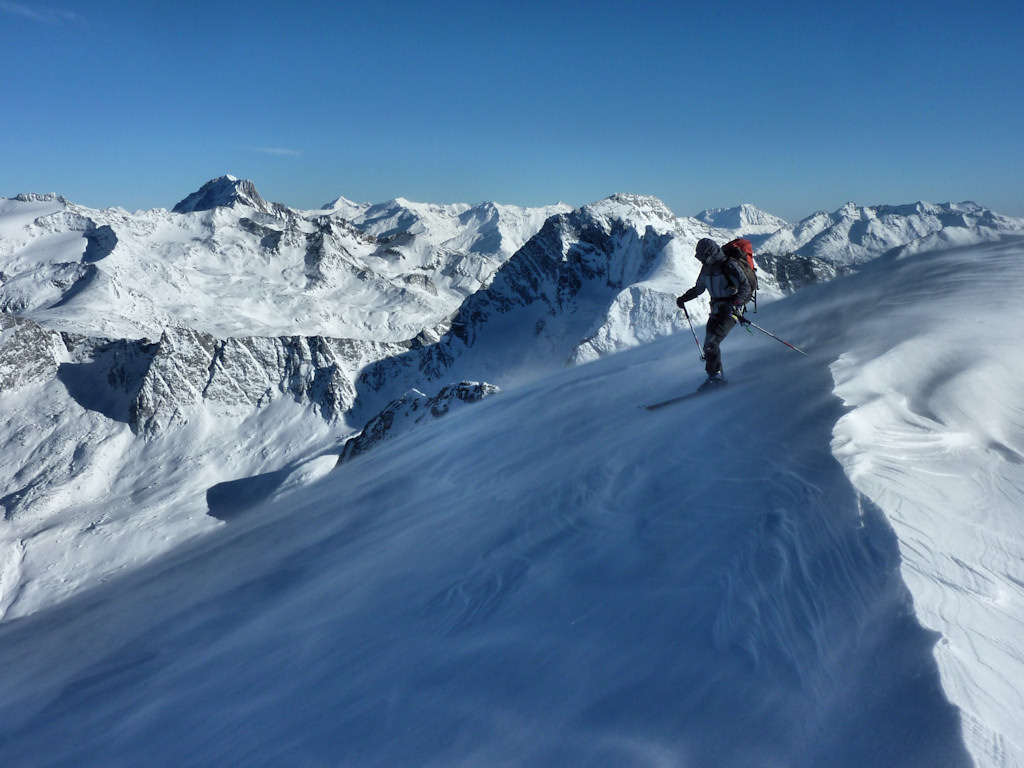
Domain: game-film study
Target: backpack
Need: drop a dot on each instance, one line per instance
(742, 252)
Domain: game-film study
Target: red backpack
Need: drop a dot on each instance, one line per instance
(742, 252)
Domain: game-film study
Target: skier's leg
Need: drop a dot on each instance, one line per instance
(719, 325)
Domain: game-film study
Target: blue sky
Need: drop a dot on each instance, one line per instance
(793, 106)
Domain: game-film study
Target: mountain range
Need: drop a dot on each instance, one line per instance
(164, 372)
(228, 303)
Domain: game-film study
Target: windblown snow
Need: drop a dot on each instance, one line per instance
(821, 564)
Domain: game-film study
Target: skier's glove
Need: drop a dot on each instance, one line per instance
(689, 295)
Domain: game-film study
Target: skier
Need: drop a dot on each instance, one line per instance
(730, 290)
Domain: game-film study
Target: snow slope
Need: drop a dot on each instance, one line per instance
(553, 576)
(936, 439)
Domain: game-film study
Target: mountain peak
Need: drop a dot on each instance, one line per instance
(623, 205)
(745, 219)
(225, 191)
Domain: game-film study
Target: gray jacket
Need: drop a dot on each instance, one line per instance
(719, 276)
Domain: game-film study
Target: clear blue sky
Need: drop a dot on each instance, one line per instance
(793, 106)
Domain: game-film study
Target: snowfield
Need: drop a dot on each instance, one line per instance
(936, 439)
(820, 564)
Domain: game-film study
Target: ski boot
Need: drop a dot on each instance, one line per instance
(713, 380)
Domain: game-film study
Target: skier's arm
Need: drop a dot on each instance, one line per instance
(692, 293)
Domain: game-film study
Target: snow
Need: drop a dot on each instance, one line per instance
(229, 263)
(857, 234)
(821, 564)
(818, 565)
(936, 439)
(746, 220)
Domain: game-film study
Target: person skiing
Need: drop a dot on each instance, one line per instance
(729, 290)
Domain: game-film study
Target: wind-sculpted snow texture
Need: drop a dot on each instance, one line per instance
(935, 438)
(551, 576)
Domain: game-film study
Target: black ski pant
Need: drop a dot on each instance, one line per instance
(719, 325)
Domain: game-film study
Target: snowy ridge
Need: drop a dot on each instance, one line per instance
(857, 234)
(227, 192)
(555, 299)
(935, 394)
(177, 388)
(745, 220)
(539, 584)
(228, 263)
(465, 244)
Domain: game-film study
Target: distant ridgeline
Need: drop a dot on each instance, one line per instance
(230, 301)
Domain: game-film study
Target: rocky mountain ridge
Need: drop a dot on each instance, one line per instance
(228, 263)
(195, 341)
(854, 235)
(398, 293)
(227, 192)
(749, 220)
(412, 409)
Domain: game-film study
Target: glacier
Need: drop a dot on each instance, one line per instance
(820, 564)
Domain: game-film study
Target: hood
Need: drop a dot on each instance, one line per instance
(708, 251)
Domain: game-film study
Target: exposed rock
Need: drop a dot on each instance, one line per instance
(792, 272)
(227, 191)
(190, 370)
(544, 301)
(29, 353)
(413, 408)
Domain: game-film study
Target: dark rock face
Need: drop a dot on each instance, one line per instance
(190, 368)
(29, 353)
(412, 409)
(793, 272)
(227, 191)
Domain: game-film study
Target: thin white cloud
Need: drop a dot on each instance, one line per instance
(42, 14)
(275, 151)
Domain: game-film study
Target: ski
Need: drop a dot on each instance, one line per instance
(703, 389)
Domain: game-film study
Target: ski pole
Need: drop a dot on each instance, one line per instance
(699, 350)
(744, 321)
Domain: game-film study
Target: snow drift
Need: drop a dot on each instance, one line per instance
(550, 576)
(554, 576)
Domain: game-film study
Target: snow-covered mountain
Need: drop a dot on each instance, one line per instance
(161, 323)
(460, 246)
(225, 262)
(745, 220)
(818, 565)
(857, 234)
(596, 280)
(164, 372)
(228, 192)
